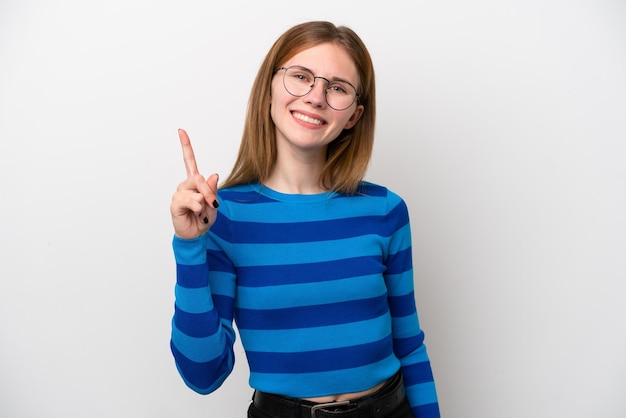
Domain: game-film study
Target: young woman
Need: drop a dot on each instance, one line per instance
(312, 262)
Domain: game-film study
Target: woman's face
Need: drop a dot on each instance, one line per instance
(308, 123)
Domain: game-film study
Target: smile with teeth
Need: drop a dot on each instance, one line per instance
(308, 119)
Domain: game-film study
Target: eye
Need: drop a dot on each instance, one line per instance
(338, 88)
(300, 75)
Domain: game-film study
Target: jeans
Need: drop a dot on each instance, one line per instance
(403, 411)
(393, 389)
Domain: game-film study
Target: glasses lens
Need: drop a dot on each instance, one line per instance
(340, 95)
(299, 81)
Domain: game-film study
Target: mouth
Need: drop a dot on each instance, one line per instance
(308, 119)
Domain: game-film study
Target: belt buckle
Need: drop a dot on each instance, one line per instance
(319, 406)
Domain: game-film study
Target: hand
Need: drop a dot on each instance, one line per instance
(194, 205)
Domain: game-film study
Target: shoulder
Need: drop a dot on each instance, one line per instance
(240, 189)
(384, 203)
(390, 198)
(243, 193)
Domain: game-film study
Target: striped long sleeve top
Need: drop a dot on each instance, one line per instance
(320, 288)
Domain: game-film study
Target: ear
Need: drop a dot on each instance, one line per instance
(358, 112)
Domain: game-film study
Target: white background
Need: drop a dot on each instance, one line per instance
(502, 123)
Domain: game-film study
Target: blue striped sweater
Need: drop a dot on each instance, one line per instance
(319, 286)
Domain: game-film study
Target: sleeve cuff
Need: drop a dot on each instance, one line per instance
(189, 251)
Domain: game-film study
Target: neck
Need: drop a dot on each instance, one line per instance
(297, 176)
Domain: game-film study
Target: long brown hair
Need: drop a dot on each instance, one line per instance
(349, 154)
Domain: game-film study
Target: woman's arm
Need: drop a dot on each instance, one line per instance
(202, 333)
(408, 336)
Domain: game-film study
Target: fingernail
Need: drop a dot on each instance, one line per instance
(216, 204)
(206, 220)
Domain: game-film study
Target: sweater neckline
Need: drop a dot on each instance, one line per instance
(266, 191)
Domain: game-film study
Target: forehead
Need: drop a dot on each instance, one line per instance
(327, 59)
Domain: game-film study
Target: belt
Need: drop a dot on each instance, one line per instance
(376, 405)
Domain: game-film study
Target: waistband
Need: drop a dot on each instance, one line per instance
(376, 405)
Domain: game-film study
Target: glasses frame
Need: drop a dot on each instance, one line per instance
(357, 95)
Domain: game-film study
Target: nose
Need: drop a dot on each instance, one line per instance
(317, 95)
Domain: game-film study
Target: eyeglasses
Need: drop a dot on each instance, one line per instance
(299, 81)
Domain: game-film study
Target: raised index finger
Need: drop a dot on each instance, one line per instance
(188, 155)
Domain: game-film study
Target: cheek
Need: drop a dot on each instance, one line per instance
(276, 89)
(276, 98)
(279, 101)
(273, 111)
(273, 103)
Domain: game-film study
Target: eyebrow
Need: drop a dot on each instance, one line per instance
(331, 79)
